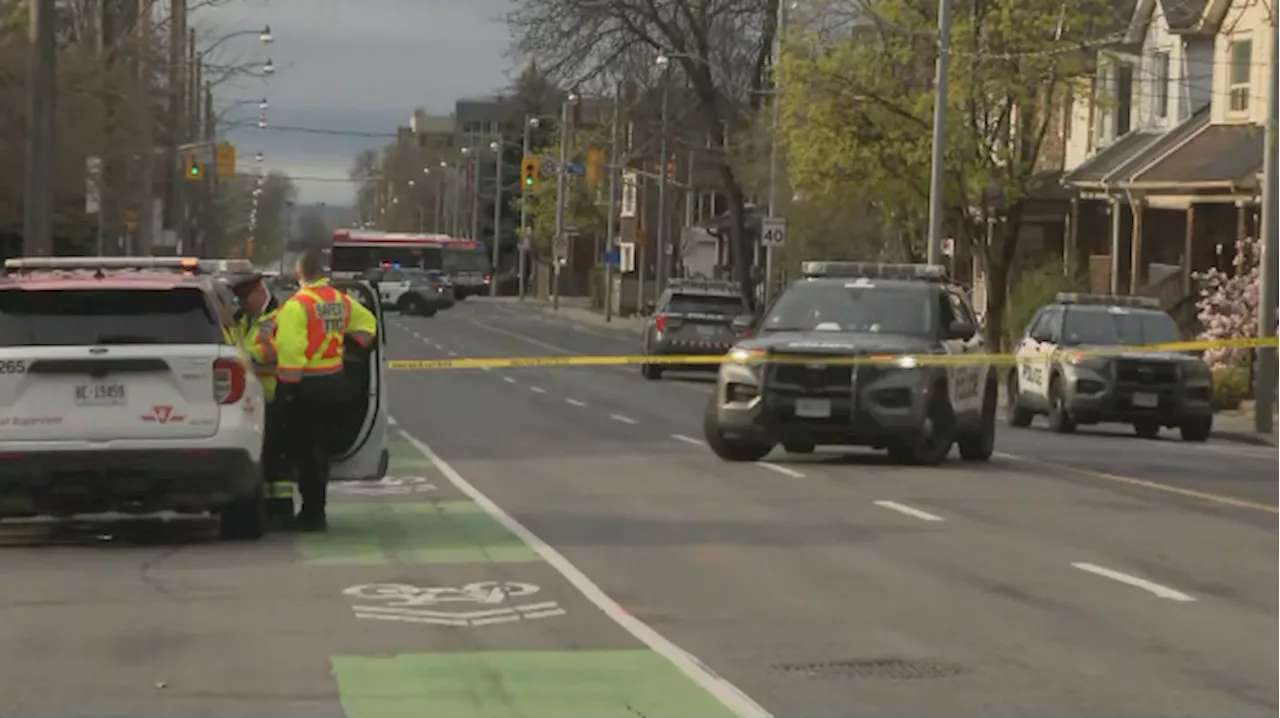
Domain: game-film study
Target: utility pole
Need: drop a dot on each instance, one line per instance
(475, 193)
(177, 103)
(42, 92)
(562, 182)
(523, 256)
(775, 122)
(456, 231)
(660, 261)
(438, 216)
(497, 214)
(211, 233)
(146, 206)
(611, 226)
(1265, 368)
(937, 198)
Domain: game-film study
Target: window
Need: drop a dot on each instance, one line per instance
(1124, 99)
(1113, 326)
(721, 305)
(851, 307)
(85, 317)
(1160, 84)
(1241, 64)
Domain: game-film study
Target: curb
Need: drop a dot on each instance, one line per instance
(1244, 437)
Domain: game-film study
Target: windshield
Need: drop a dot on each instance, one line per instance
(1116, 326)
(466, 260)
(86, 317)
(888, 309)
(705, 304)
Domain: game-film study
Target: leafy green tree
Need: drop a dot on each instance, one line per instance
(583, 210)
(857, 114)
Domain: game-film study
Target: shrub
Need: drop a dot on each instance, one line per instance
(1231, 385)
(1035, 288)
(1228, 303)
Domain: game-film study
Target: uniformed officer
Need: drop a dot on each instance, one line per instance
(256, 327)
(311, 330)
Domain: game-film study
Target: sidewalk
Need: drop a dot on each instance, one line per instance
(1238, 426)
(578, 310)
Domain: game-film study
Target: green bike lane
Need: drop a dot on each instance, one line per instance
(460, 617)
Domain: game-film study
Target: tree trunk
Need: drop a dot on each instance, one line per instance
(998, 274)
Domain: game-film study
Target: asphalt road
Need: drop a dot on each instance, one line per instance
(558, 543)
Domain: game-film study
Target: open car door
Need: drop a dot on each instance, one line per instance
(359, 448)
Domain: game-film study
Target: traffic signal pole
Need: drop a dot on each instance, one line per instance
(522, 245)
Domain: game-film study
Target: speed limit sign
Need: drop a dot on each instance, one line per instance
(773, 231)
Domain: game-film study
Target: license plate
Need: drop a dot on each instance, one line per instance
(102, 393)
(1146, 401)
(708, 331)
(813, 408)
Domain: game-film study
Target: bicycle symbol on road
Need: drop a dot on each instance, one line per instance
(404, 602)
(386, 486)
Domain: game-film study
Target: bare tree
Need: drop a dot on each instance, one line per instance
(721, 47)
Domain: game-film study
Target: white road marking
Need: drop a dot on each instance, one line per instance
(728, 694)
(537, 390)
(509, 379)
(453, 354)
(486, 368)
(687, 439)
(1142, 583)
(908, 510)
(623, 419)
(575, 402)
(391, 421)
(782, 470)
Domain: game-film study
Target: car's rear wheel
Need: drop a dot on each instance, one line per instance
(1017, 414)
(244, 519)
(652, 372)
(1197, 430)
(980, 444)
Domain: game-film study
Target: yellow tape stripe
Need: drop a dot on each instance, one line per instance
(715, 359)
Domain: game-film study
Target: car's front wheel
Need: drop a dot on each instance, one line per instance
(731, 449)
(244, 519)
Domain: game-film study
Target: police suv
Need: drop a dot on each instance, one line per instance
(1070, 367)
(411, 291)
(858, 354)
(123, 391)
(692, 317)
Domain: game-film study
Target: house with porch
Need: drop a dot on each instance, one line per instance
(1165, 153)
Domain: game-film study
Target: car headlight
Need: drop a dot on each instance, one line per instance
(745, 356)
(1088, 361)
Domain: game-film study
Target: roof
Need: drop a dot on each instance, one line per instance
(1217, 155)
(1183, 15)
(1095, 170)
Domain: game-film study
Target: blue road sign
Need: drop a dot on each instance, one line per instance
(613, 258)
(575, 170)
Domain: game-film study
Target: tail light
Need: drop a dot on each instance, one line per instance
(228, 380)
(660, 322)
(487, 277)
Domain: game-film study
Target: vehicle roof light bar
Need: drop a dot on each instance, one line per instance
(708, 285)
(1108, 300)
(873, 270)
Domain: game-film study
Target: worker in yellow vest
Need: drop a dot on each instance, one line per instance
(256, 326)
(312, 331)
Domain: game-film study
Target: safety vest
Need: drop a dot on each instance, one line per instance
(310, 329)
(259, 341)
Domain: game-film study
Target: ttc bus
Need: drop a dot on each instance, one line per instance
(464, 261)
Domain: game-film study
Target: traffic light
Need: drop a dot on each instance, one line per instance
(530, 172)
(225, 159)
(193, 170)
(595, 165)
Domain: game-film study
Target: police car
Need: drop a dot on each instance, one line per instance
(411, 291)
(692, 317)
(122, 391)
(843, 358)
(1070, 369)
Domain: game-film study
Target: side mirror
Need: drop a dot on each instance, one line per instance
(1039, 337)
(743, 323)
(961, 330)
(646, 309)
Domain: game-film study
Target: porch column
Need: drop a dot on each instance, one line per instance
(1117, 211)
(1071, 243)
(1242, 221)
(1188, 244)
(1135, 246)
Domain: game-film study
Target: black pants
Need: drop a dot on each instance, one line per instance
(312, 406)
(277, 464)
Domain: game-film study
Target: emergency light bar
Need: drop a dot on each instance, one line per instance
(226, 266)
(872, 270)
(55, 264)
(710, 285)
(1108, 300)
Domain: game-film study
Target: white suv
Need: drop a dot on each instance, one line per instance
(122, 390)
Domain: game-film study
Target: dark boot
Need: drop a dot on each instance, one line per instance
(310, 520)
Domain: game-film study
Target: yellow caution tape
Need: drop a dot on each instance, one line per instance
(752, 357)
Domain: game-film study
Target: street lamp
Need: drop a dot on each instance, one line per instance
(269, 67)
(263, 105)
(661, 263)
(266, 37)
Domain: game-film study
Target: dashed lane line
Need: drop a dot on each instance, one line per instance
(728, 694)
(688, 440)
(784, 470)
(1152, 587)
(509, 379)
(537, 390)
(575, 402)
(623, 419)
(907, 510)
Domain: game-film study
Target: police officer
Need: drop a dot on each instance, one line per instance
(311, 330)
(256, 328)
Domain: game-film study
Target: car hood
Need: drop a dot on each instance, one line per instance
(836, 343)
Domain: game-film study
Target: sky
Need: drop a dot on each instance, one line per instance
(355, 66)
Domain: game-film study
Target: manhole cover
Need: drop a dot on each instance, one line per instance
(894, 669)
